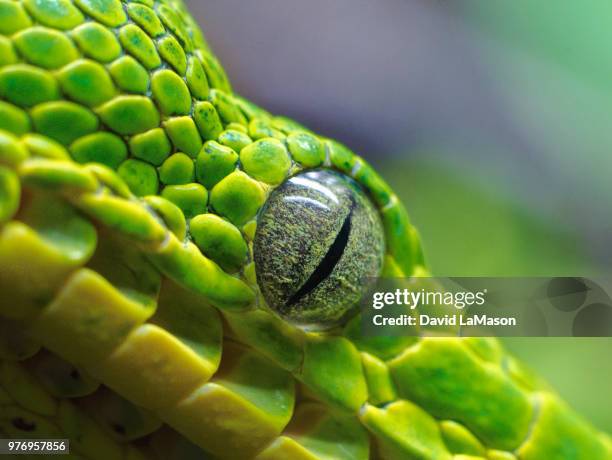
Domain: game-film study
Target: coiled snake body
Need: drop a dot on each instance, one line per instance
(155, 279)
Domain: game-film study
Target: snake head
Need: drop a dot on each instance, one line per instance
(191, 265)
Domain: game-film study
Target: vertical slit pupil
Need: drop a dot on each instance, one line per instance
(327, 264)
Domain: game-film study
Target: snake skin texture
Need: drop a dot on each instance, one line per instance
(131, 322)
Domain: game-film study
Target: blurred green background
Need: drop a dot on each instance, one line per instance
(552, 64)
(492, 120)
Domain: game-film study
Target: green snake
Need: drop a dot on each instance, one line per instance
(169, 291)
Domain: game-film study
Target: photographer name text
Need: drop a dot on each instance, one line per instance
(446, 320)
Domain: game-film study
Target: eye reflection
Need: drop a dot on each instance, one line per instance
(306, 200)
(318, 238)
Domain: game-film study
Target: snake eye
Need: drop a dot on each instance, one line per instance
(318, 238)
